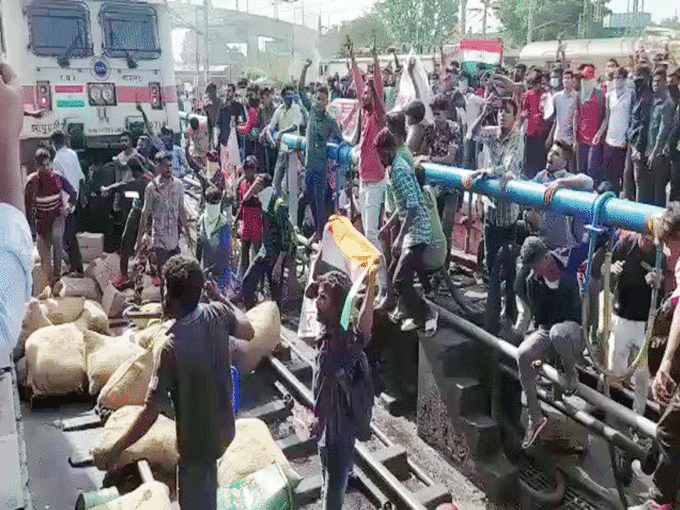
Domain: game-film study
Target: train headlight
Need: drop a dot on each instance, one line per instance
(101, 94)
(155, 93)
(44, 95)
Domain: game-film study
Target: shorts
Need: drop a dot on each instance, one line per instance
(130, 233)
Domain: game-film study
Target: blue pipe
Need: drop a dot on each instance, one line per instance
(614, 212)
(342, 153)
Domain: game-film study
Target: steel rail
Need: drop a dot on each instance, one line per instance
(417, 470)
(640, 423)
(406, 496)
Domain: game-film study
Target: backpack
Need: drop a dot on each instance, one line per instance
(357, 382)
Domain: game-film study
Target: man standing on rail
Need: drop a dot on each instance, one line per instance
(663, 495)
(555, 303)
(193, 373)
(321, 129)
(342, 388)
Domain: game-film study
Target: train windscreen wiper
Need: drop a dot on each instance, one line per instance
(63, 60)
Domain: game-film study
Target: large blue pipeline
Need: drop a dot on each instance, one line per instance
(612, 211)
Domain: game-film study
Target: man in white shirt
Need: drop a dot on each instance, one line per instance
(287, 119)
(473, 107)
(619, 108)
(66, 161)
(565, 103)
(15, 235)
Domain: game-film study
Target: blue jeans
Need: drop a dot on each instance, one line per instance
(316, 179)
(590, 161)
(336, 463)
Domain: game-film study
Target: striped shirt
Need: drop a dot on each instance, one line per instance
(407, 195)
(43, 195)
(505, 154)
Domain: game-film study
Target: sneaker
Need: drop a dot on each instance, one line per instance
(533, 430)
(409, 325)
(431, 324)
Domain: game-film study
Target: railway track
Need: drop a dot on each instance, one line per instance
(383, 471)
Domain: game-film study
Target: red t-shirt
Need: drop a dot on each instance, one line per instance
(589, 117)
(251, 215)
(532, 111)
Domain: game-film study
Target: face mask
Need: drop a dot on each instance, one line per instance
(554, 82)
(212, 211)
(630, 84)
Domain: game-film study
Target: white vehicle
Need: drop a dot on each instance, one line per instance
(86, 65)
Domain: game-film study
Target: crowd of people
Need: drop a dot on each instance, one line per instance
(562, 127)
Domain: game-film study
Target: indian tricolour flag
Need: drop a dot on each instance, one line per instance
(345, 249)
(478, 55)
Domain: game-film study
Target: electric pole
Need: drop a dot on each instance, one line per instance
(484, 14)
(463, 20)
(530, 23)
(206, 43)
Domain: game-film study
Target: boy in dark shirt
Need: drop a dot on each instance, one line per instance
(193, 370)
(340, 364)
(555, 303)
(632, 299)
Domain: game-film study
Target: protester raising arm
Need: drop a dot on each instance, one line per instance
(304, 97)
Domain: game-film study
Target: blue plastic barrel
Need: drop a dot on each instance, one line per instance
(235, 392)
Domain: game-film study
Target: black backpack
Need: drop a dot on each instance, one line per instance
(357, 382)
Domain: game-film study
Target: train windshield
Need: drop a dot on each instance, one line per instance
(60, 29)
(130, 30)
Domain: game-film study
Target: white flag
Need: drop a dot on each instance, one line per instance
(230, 159)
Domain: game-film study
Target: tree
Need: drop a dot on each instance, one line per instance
(362, 31)
(673, 23)
(420, 23)
(553, 19)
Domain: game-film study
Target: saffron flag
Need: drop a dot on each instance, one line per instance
(479, 55)
(345, 249)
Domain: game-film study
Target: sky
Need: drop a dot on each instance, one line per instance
(336, 11)
(333, 12)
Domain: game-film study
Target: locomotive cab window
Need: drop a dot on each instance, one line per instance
(60, 29)
(130, 31)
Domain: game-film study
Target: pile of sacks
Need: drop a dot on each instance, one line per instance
(125, 391)
(97, 284)
(67, 349)
(252, 449)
